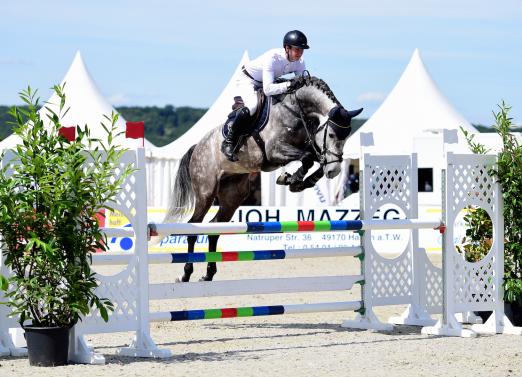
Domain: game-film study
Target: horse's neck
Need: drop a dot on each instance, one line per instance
(312, 99)
(296, 107)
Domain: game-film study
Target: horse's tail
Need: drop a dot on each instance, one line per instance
(182, 200)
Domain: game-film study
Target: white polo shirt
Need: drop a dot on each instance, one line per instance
(271, 65)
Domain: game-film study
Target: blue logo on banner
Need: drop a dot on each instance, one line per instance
(125, 242)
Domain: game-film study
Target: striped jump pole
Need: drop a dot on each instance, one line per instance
(289, 226)
(255, 311)
(230, 256)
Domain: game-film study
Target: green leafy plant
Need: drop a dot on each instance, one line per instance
(479, 234)
(51, 193)
(509, 174)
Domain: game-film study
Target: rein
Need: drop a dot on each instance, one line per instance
(320, 154)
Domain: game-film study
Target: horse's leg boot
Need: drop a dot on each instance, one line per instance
(235, 122)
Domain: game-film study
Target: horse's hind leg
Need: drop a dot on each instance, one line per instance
(203, 204)
(233, 191)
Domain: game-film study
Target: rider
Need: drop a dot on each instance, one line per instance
(262, 72)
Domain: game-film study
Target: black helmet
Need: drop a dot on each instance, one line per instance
(295, 38)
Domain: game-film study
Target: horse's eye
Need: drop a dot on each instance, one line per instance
(331, 135)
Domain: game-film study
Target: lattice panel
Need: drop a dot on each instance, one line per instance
(391, 278)
(475, 286)
(473, 185)
(121, 290)
(389, 184)
(433, 287)
(475, 282)
(126, 199)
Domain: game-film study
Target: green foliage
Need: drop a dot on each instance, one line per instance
(50, 195)
(6, 128)
(163, 125)
(479, 234)
(490, 129)
(509, 174)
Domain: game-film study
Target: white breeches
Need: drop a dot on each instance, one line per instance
(245, 88)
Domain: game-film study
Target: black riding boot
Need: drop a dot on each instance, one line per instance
(235, 123)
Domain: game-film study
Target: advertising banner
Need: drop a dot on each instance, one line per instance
(385, 241)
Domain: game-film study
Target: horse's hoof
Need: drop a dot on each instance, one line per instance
(283, 179)
(179, 279)
(298, 187)
(203, 278)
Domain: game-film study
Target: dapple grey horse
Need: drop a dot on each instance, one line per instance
(308, 124)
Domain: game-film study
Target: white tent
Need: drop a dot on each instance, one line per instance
(413, 108)
(215, 115)
(86, 106)
(412, 119)
(163, 162)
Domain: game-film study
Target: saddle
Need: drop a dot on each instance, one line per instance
(257, 121)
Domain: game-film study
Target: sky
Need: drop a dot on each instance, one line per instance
(153, 53)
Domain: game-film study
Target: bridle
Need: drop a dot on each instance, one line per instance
(320, 152)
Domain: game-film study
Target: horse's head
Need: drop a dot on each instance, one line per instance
(331, 136)
(326, 119)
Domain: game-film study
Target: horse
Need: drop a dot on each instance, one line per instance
(307, 124)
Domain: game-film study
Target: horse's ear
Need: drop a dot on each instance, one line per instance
(354, 113)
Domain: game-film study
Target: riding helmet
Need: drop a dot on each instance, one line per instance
(295, 38)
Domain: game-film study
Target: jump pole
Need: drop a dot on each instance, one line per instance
(288, 226)
(255, 311)
(230, 256)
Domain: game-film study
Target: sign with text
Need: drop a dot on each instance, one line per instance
(385, 241)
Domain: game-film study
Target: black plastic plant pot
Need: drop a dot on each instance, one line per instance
(513, 311)
(47, 346)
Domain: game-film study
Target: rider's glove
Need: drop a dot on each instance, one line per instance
(296, 83)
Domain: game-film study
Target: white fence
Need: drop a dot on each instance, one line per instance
(409, 279)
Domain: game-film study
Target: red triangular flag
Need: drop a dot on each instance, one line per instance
(68, 132)
(135, 130)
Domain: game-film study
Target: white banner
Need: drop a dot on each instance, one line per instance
(385, 241)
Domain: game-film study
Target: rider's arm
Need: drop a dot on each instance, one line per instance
(269, 87)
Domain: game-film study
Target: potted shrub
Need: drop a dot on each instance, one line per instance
(509, 175)
(50, 196)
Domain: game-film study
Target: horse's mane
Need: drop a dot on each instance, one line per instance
(307, 80)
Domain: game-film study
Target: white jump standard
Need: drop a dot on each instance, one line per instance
(408, 279)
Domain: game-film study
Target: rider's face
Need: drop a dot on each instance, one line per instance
(294, 53)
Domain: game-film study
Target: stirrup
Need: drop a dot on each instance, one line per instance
(230, 155)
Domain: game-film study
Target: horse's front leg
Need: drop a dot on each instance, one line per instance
(310, 181)
(307, 161)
